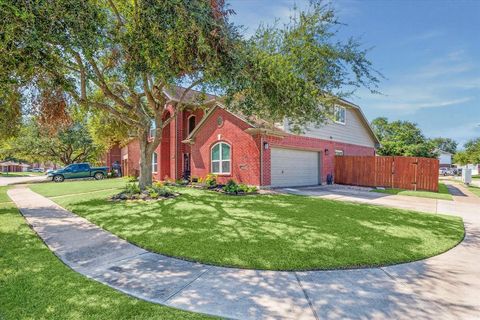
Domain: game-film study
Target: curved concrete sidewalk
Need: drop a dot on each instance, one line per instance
(443, 287)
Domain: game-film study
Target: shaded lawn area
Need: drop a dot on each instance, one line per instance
(442, 193)
(50, 189)
(35, 284)
(277, 232)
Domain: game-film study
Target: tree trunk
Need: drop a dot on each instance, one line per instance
(145, 178)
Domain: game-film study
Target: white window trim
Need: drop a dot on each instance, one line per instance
(220, 160)
(335, 113)
(154, 163)
(188, 123)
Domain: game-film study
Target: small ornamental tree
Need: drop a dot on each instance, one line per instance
(118, 57)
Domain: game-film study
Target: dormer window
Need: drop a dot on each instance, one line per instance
(191, 123)
(340, 115)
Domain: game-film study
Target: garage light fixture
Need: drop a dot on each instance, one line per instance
(265, 145)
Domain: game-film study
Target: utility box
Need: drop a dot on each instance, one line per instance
(467, 176)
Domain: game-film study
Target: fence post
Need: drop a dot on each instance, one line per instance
(416, 172)
(393, 172)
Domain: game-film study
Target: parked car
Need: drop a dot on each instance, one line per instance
(78, 171)
(443, 171)
(37, 170)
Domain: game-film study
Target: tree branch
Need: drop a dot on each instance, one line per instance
(83, 77)
(106, 90)
(117, 14)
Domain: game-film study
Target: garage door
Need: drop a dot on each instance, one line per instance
(294, 167)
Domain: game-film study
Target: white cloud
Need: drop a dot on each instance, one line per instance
(459, 133)
(445, 81)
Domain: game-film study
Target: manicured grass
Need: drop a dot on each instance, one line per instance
(21, 174)
(73, 187)
(35, 284)
(278, 232)
(474, 190)
(476, 176)
(442, 193)
(3, 195)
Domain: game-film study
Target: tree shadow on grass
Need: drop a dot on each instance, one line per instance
(281, 232)
(36, 285)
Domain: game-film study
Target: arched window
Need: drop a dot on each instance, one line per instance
(191, 124)
(221, 158)
(154, 162)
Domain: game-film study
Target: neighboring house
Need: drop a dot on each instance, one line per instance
(214, 140)
(444, 158)
(10, 166)
(474, 167)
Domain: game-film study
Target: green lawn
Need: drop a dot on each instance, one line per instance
(21, 174)
(74, 187)
(35, 284)
(278, 232)
(474, 190)
(442, 193)
(3, 195)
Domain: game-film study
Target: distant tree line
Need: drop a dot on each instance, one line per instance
(404, 138)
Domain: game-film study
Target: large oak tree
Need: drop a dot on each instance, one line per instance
(119, 57)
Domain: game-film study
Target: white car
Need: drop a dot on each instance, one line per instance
(443, 171)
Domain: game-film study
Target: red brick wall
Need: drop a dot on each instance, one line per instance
(114, 154)
(246, 149)
(314, 144)
(245, 165)
(131, 152)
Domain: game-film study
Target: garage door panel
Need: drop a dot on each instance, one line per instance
(291, 167)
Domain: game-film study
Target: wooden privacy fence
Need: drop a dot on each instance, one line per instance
(412, 173)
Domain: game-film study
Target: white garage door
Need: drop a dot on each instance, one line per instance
(294, 167)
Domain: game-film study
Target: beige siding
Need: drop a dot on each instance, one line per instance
(354, 131)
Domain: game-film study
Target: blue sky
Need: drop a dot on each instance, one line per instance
(429, 52)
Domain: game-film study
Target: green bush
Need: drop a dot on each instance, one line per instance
(132, 179)
(152, 193)
(160, 190)
(210, 180)
(231, 187)
(132, 188)
(247, 189)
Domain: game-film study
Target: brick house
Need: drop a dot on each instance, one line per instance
(214, 140)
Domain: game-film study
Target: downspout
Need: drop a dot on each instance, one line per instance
(176, 147)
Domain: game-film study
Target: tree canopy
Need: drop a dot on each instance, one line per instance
(445, 144)
(402, 138)
(70, 144)
(118, 57)
(471, 154)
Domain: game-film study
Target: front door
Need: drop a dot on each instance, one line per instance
(186, 166)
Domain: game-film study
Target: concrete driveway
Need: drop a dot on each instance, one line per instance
(363, 195)
(5, 181)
